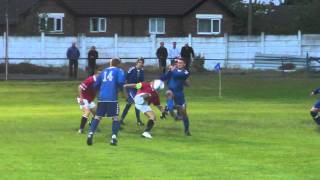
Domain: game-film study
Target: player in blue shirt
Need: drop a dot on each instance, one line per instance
(134, 75)
(176, 79)
(109, 82)
(316, 108)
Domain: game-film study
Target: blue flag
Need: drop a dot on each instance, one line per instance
(217, 67)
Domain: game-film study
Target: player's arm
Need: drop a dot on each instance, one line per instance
(80, 90)
(128, 86)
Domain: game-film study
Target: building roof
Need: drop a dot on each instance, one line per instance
(16, 7)
(112, 7)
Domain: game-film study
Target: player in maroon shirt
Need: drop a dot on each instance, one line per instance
(86, 96)
(147, 94)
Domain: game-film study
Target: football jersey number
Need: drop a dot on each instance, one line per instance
(108, 77)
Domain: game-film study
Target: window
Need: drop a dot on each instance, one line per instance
(98, 24)
(209, 23)
(51, 22)
(156, 25)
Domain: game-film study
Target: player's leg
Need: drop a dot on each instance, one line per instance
(182, 111)
(125, 112)
(84, 119)
(130, 101)
(113, 111)
(152, 117)
(147, 111)
(169, 105)
(101, 111)
(314, 112)
(185, 119)
(139, 122)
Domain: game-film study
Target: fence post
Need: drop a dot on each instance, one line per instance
(262, 43)
(42, 44)
(190, 39)
(153, 46)
(299, 43)
(226, 50)
(115, 45)
(4, 44)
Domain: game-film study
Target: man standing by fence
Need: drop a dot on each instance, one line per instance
(92, 56)
(73, 55)
(174, 53)
(186, 53)
(162, 55)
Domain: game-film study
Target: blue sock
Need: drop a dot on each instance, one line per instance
(115, 127)
(186, 123)
(125, 111)
(138, 114)
(94, 125)
(170, 104)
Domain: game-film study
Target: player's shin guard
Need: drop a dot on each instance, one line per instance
(138, 114)
(315, 117)
(115, 127)
(125, 111)
(170, 104)
(186, 123)
(83, 122)
(149, 125)
(94, 125)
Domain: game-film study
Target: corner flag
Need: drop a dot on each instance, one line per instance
(217, 67)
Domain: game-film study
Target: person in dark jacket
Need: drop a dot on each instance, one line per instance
(162, 55)
(134, 75)
(73, 55)
(186, 54)
(92, 56)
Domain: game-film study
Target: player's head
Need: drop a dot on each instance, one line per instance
(93, 47)
(157, 84)
(115, 62)
(140, 63)
(174, 44)
(180, 64)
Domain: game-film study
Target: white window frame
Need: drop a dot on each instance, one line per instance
(212, 17)
(55, 17)
(156, 28)
(100, 29)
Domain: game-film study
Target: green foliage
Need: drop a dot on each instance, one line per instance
(260, 129)
(198, 63)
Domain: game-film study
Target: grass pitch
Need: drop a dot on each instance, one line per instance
(260, 129)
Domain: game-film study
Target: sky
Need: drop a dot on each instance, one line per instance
(277, 2)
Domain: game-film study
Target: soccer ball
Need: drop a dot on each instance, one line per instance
(158, 85)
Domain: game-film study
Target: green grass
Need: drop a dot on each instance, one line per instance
(260, 129)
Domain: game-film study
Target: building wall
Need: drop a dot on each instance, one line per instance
(28, 24)
(208, 7)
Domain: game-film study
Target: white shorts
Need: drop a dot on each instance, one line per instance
(86, 104)
(143, 107)
(141, 104)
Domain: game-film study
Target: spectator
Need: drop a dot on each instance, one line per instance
(73, 55)
(92, 56)
(174, 53)
(162, 55)
(186, 53)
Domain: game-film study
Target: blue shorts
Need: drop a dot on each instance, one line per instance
(179, 99)
(317, 104)
(131, 94)
(108, 109)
